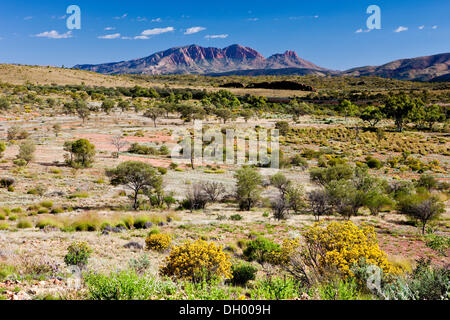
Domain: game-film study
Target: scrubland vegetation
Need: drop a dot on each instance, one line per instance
(87, 180)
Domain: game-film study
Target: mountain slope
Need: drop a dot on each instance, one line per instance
(200, 60)
(422, 68)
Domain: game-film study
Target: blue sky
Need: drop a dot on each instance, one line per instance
(324, 32)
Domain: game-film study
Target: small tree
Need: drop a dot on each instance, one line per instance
(107, 106)
(137, 176)
(376, 200)
(290, 197)
(82, 153)
(248, 187)
(196, 198)
(280, 182)
(399, 107)
(299, 109)
(154, 114)
(283, 127)
(347, 108)
(280, 208)
(320, 203)
(372, 115)
(247, 114)
(213, 190)
(119, 143)
(124, 105)
(345, 197)
(433, 114)
(224, 114)
(26, 151)
(82, 110)
(295, 198)
(423, 208)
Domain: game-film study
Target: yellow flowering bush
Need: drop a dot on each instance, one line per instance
(342, 245)
(283, 256)
(158, 242)
(197, 261)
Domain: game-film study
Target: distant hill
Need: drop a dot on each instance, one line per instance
(244, 61)
(443, 78)
(420, 69)
(194, 59)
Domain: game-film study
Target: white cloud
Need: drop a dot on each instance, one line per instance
(27, 18)
(253, 19)
(434, 27)
(401, 29)
(110, 36)
(217, 36)
(194, 30)
(141, 19)
(157, 20)
(121, 17)
(421, 27)
(141, 38)
(362, 30)
(156, 31)
(110, 28)
(54, 35)
(316, 17)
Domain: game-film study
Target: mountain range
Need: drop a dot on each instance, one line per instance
(239, 60)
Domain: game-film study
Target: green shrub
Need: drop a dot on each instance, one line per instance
(427, 181)
(243, 273)
(78, 254)
(276, 289)
(259, 250)
(430, 283)
(236, 217)
(374, 163)
(4, 226)
(127, 285)
(438, 243)
(339, 290)
(162, 171)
